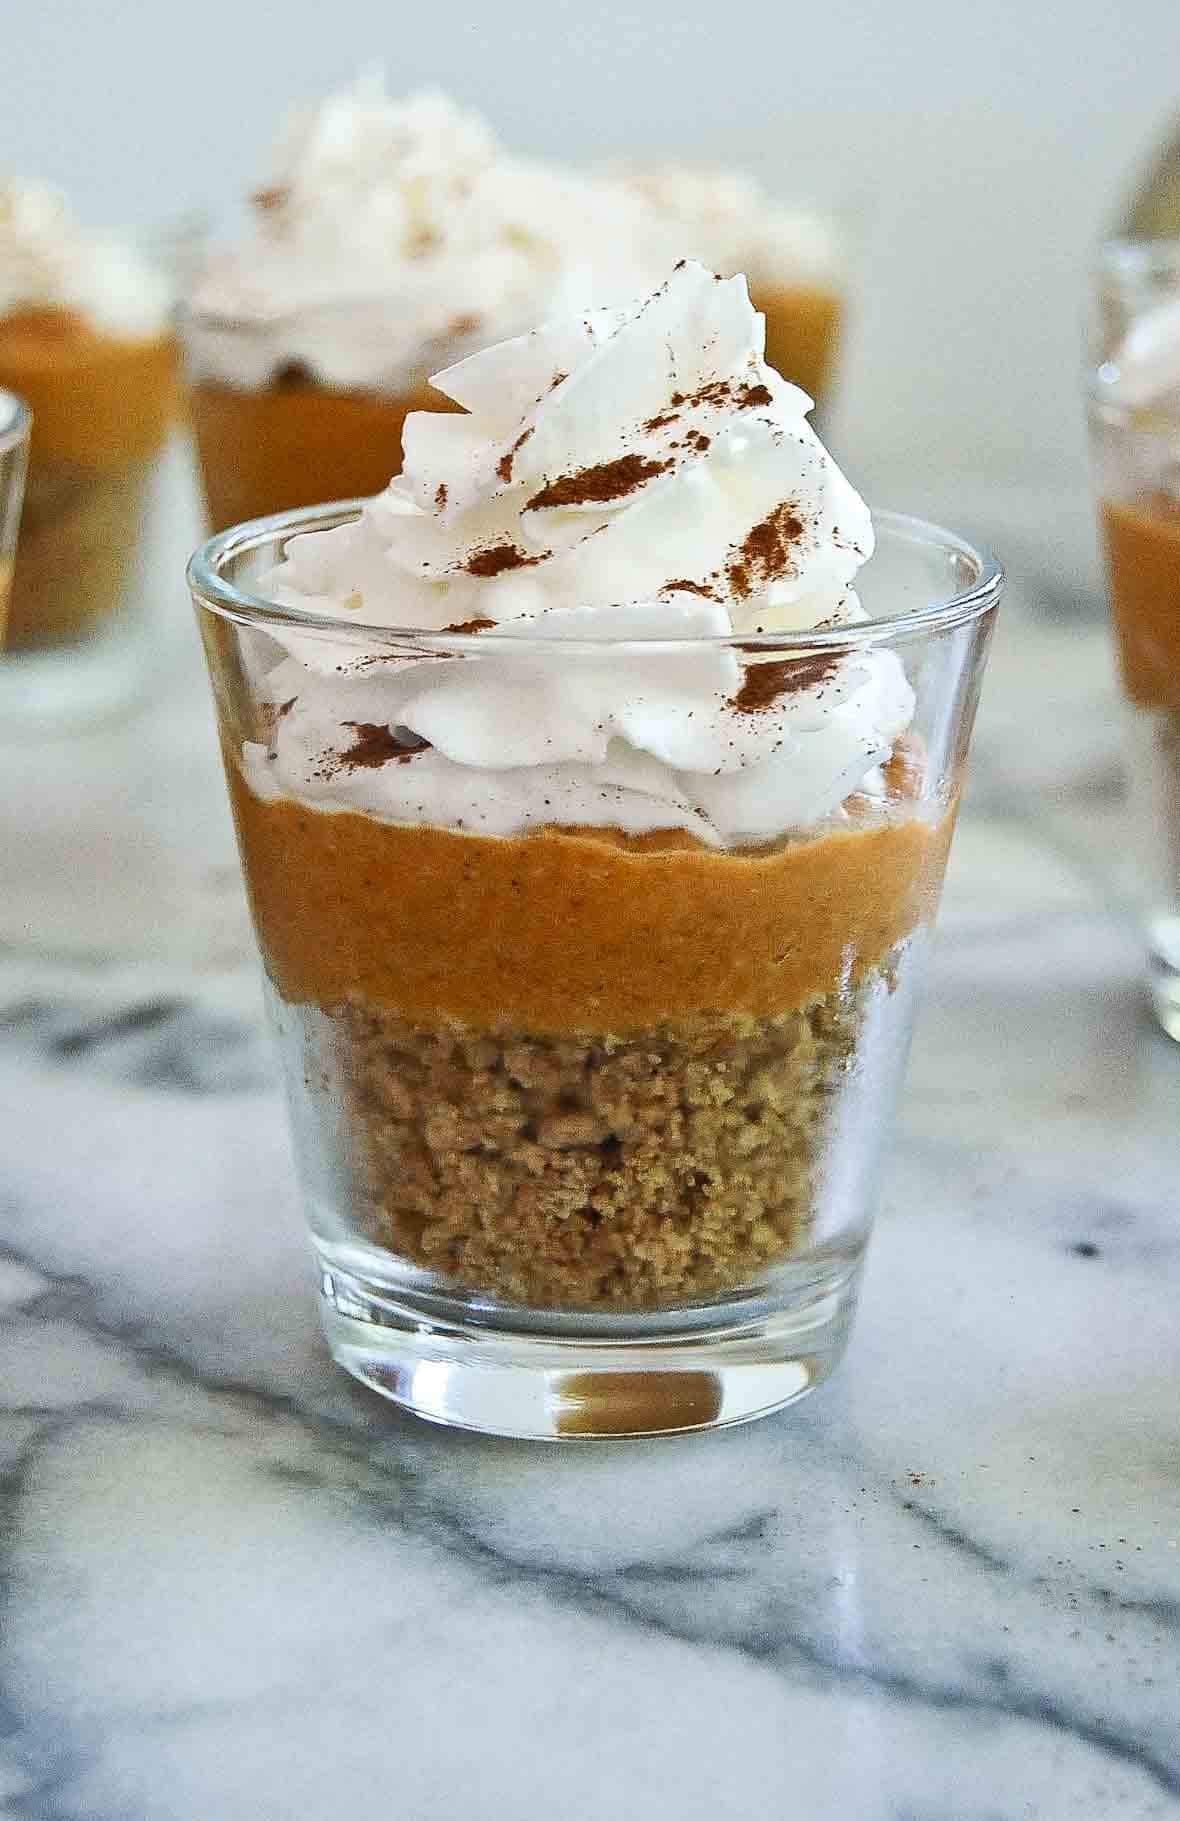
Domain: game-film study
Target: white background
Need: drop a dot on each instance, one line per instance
(992, 141)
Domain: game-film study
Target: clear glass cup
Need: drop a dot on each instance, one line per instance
(588, 1126)
(1135, 449)
(102, 406)
(15, 421)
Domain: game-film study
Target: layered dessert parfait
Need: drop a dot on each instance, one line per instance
(86, 340)
(590, 892)
(792, 257)
(1135, 422)
(390, 238)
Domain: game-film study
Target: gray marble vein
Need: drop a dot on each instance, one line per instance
(947, 1588)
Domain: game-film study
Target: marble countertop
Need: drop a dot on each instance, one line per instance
(946, 1588)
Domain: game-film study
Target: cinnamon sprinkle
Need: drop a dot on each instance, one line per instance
(765, 684)
(765, 552)
(376, 746)
(683, 586)
(271, 713)
(657, 423)
(713, 392)
(478, 624)
(720, 392)
(440, 497)
(494, 559)
(604, 481)
(504, 465)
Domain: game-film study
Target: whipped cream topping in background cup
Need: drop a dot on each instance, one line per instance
(1133, 352)
(390, 235)
(633, 474)
(1133, 399)
(86, 337)
(728, 220)
(1145, 367)
(48, 260)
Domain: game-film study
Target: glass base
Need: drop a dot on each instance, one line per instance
(584, 1378)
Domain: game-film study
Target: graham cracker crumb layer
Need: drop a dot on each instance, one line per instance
(589, 1172)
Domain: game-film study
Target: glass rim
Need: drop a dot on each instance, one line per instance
(16, 420)
(210, 587)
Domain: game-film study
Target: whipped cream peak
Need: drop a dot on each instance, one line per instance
(625, 456)
(47, 260)
(638, 485)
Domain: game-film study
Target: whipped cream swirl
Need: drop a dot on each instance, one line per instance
(391, 236)
(48, 261)
(626, 475)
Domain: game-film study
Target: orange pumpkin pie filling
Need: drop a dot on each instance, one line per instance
(101, 408)
(295, 442)
(1142, 538)
(803, 323)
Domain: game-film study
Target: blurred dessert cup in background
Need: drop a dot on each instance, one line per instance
(1134, 415)
(86, 339)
